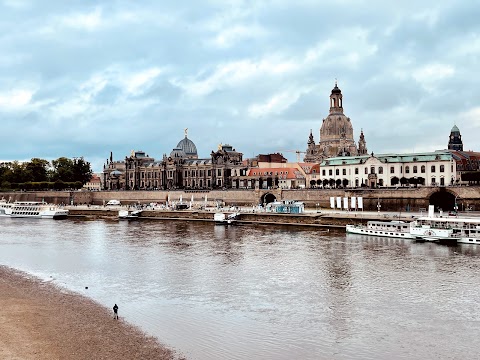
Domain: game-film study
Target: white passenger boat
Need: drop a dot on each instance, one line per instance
(129, 215)
(31, 209)
(221, 218)
(394, 229)
(464, 230)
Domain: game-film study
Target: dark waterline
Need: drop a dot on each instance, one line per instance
(263, 292)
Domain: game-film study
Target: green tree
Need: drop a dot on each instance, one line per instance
(81, 170)
(37, 170)
(62, 170)
(17, 173)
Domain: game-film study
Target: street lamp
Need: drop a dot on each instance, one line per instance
(378, 205)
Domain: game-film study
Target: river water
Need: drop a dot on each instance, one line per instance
(263, 292)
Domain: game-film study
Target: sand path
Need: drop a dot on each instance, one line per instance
(41, 321)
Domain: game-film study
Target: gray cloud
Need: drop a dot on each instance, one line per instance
(86, 78)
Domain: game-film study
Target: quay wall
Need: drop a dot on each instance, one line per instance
(316, 219)
(390, 199)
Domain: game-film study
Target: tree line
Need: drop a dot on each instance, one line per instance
(40, 174)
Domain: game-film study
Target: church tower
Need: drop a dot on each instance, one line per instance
(310, 154)
(362, 145)
(455, 140)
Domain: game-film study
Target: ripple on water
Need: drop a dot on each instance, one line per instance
(217, 292)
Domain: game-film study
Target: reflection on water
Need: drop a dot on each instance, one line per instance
(263, 292)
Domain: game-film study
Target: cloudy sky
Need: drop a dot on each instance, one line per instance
(83, 78)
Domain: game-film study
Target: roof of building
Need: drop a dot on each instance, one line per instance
(389, 158)
(336, 89)
(285, 173)
(178, 153)
(455, 129)
(310, 168)
(187, 146)
(198, 161)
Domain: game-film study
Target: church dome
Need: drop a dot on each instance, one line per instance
(187, 146)
(336, 126)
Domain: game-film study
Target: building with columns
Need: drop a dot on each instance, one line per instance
(181, 169)
(336, 134)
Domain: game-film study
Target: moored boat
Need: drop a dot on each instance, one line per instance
(465, 230)
(129, 215)
(32, 209)
(394, 229)
(225, 219)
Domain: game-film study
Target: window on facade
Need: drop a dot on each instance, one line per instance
(442, 169)
(392, 170)
(323, 172)
(407, 169)
(442, 181)
(209, 173)
(337, 171)
(372, 170)
(330, 172)
(356, 171)
(422, 169)
(356, 182)
(433, 181)
(344, 171)
(366, 171)
(380, 169)
(433, 168)
(219, 172)
(415, 169)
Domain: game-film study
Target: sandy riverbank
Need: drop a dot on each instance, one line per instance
(41, 321)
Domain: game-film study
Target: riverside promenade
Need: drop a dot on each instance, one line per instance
(328, 218)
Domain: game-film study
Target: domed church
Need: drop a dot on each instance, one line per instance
(336, 134)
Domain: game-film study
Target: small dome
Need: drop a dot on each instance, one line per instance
(187, 146)
(336, 90)
(455, 129)
(178, 153)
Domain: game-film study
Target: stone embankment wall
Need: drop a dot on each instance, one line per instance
(316, 219)
(390, 199)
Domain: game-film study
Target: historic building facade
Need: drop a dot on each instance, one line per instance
(385, 170)
(336, 134)
(181, 169)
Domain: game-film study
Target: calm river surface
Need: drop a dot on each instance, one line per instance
(263, 292)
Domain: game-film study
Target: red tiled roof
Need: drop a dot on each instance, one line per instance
(284, 173)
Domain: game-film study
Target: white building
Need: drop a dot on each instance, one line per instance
(431, 169)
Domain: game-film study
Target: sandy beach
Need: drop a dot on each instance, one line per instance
(39, 320)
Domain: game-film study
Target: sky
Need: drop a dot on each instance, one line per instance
(86, 78)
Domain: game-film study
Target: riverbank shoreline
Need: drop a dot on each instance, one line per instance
(319, 219)
(40, 320)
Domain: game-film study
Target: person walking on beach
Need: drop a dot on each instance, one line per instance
(115, 311)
